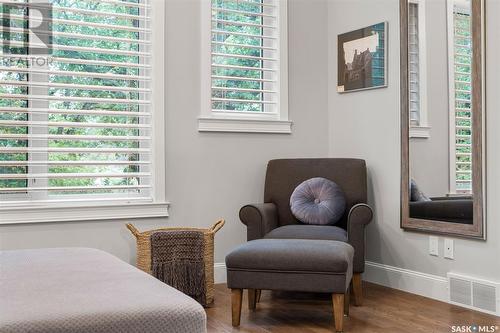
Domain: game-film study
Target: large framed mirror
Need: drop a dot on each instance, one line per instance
(442, 117)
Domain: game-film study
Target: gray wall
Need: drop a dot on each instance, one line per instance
(429, 158)
(211, 175)
(366, 125)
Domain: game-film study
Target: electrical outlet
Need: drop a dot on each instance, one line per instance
(448, 248)
(434, 246)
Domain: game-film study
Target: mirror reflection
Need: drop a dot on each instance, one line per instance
(440, 110)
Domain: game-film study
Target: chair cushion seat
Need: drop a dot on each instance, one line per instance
(292, 255)
(316, 232)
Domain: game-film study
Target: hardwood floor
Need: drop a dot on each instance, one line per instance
(384, 310)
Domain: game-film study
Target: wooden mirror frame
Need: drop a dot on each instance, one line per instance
(477, 229)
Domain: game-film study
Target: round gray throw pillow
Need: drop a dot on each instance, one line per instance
(318, 201)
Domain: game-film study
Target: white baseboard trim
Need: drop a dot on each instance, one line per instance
(432, 286)
(220, 272)
(428, 285)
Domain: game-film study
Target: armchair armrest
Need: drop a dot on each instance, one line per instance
(259, 219)
(359, 216)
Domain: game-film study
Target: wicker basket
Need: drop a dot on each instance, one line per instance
(144, 252)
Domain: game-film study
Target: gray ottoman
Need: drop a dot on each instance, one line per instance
(290, 264)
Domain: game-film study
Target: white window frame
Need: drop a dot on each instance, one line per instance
(423, 129)
(111, 209)
(247, 122)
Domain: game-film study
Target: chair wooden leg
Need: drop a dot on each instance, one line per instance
(347, 300)
(338, 311)
(236, 295)
(252, 299)
(259, 291)
(357, 289)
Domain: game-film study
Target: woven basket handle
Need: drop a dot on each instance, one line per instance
(217, 226)
(133, 229)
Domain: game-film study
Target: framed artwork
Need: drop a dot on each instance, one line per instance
(362, 59)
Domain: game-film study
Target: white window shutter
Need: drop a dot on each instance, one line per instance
(245, 57)
(414, 63)
(78, 126)
(462, 97)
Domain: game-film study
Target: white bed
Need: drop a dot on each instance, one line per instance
(81, 290)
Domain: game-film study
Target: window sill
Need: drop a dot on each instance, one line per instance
(244, 125)
(420, 132)
(47, 214)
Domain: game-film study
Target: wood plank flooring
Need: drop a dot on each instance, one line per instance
(384, 310)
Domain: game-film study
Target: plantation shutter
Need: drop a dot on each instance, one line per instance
(414, 64)
(463, 101)
(77, 125)
(245, 56)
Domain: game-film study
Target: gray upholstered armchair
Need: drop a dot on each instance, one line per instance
(274, 219)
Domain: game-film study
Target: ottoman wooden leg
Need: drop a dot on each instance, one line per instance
(252, 299)
(259, 291)
(338, 311)
(357, 289)
(236, 295)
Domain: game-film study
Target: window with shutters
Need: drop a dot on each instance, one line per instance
(460, 56)
(76, 125)
(245, 66)
(419, 127)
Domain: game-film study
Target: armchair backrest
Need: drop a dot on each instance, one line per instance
(283, 176)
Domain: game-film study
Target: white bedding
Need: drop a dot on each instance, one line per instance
(76, 290)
